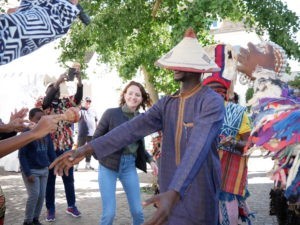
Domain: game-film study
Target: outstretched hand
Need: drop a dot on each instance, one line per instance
(165, 203)
(63, 163)
(252, 57)
(21, 114)
(45, 125)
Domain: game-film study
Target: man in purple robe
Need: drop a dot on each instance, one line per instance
(190, 121)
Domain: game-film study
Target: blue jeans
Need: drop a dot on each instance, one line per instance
(36, 193)
(68, 184)
(127, 174)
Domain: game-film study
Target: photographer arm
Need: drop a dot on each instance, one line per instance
(79, 92)
(52, 90)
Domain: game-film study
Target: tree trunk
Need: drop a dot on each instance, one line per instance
(149, 86)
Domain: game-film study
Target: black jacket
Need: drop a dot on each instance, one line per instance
(110, 119)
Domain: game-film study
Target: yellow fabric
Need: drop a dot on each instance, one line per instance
(246, 125)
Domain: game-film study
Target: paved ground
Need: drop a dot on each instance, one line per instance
(88, 197)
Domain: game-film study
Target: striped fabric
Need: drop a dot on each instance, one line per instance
(36, 23)
(234, 172)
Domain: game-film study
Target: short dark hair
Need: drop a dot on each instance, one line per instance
(33, 111)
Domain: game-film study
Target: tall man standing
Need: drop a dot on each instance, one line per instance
(86, 128)
(190, 121)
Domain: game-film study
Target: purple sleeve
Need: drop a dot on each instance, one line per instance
(131, 131)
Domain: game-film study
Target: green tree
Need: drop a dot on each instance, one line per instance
(296, 82)
(132, 34)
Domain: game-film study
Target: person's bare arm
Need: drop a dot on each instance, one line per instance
(63, 163)
(43, 127)
(52, 92)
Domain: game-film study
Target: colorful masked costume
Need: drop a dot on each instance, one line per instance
(276, 120)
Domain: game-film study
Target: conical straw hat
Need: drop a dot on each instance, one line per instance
(188, 56)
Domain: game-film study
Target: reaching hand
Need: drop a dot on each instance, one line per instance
(253, 57)
(18, 114)
(63, 163)
(62, 78)
(165, 203)
(46, 125)
(30, 179)
(18, 125)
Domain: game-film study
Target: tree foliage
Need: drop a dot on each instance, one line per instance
(133, 33)
(296, 82)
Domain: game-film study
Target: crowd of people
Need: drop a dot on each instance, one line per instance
(205, 143)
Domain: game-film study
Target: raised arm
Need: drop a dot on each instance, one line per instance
(52, 90)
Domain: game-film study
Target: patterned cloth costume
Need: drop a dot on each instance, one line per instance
(234, 168)
(190, 123)
(276, 120)
(34, 24)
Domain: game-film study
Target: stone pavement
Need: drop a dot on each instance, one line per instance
(88, 197)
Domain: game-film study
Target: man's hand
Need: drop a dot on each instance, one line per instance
(30, 179)
(63, 163)
(18, 125)
(18, 114)
(165, 203)
(253, 57)
(62, 78)
(46, 125)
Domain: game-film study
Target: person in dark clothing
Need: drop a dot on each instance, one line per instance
(34, 159)
(62, 140)
(122, 164)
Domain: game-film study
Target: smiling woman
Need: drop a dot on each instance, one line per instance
(122, 164)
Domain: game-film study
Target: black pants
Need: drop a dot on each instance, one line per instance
(83, 141)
